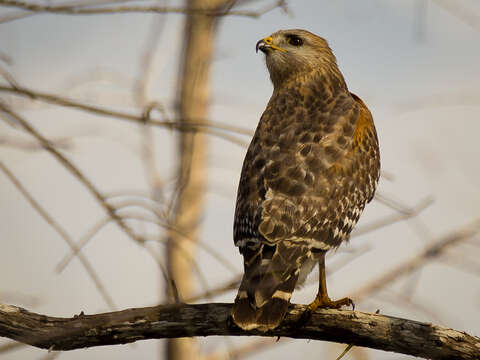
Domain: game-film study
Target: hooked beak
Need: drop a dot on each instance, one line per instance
(261, 45)
(266, 44)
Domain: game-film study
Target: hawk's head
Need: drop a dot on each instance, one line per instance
(296, 53)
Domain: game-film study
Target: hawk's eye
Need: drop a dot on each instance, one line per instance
(294, 40)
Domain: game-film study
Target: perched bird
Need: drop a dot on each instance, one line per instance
(311, 167)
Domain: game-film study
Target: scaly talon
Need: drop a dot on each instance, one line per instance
(322, 300)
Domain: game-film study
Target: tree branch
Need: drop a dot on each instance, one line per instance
(169, 321)
(47, 145)
(63, 234)
(202, 125)
(72, 10)
(432, 251)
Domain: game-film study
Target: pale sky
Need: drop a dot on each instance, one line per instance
(418, 74)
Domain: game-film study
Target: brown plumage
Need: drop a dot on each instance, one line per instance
(311, 167)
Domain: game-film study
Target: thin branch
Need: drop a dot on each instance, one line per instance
(126, 216)
(460, 12)
(209, 127)
(81, 243)
(144, 203)
(63, 234)
(463, 263)
(21, 14)
(140, 94)
(219, 290)
(403, 213)
(69, 10)
(87, 183)
(72, 169)
(202, 245)
(432, 251)
(172, 321)
(64, 143)
(9, 77)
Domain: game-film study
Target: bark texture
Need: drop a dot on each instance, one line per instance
(171, 321)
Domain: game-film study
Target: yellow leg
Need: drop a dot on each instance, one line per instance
(322, 300)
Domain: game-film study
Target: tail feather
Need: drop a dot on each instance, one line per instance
(267, 286)
(244, 315)
(271, 314)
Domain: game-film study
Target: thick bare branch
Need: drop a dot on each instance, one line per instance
(168, 321)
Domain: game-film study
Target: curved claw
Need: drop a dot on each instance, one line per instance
(324, 302)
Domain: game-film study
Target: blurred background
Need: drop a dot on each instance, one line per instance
(154, 201)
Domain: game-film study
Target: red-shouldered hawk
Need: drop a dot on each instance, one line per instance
(311, 167)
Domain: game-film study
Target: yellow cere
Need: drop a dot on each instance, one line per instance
(269, 41)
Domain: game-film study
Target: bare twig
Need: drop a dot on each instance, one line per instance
(69, 10)
(76, 172)
(141, 89)
(157, 221)
(462, 263)
(460, 12)
(144, 203)
(9, 77)
(63, 143)
(63, 234)
(403, 213)
(347, 349)
(73, 169)
(209, 127)
(432, 251)
(21, 14)
(219, 290)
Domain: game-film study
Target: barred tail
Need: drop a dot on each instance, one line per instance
(271, 273)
